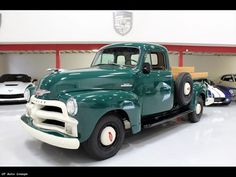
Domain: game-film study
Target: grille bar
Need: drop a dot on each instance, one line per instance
(12, 96)
(219, 99)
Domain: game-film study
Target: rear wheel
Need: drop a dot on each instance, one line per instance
(197, 114)
(106, 139)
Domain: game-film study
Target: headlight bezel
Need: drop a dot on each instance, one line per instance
(72, 106)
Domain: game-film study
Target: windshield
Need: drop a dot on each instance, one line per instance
(121, 56)
(15, 77)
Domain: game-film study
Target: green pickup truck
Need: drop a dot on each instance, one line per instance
(129, 86)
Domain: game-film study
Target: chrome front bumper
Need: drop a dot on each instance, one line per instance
(63, 142)
(209, 101)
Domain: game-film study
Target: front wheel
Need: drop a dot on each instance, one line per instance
(106, 139)
(197, 114)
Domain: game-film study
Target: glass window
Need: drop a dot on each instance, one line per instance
(134, 59)
(234, 78)
(122, 56)
(228, 78)
(156, 59)
(121, 60)
(148, 58)
(15, 77)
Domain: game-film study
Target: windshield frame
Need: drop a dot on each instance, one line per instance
(129, 66)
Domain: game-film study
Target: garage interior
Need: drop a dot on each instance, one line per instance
(211, 142)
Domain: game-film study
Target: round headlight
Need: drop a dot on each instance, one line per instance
(72, 107)
(27, 94)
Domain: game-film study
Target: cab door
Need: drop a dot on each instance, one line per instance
(157, 85)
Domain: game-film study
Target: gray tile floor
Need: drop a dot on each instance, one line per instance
(212, 141)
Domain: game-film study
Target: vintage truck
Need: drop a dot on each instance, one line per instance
(129, 86)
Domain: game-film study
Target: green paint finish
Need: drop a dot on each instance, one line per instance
(32, 90)
(158, 92)
(96, 78)
(103, 88)
(92, 105)
(199, 88)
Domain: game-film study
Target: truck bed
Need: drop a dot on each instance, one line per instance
(195, 75)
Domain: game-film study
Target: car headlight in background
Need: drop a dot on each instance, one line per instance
(72, 107)
(27, 94)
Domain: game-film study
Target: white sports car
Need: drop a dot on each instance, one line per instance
(13, 87)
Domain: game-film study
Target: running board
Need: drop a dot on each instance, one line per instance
(162, 119)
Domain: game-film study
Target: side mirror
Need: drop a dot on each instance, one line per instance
(146, 68)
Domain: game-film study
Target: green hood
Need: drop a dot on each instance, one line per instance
(102, 77)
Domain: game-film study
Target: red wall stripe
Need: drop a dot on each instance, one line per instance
(58, 59)
(181, 59)
(16, 47)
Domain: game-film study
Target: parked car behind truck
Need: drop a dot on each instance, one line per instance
(229, 81)
(221, 94)
(128, 86)
(13, 87)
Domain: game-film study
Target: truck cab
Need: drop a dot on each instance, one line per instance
(128, 86)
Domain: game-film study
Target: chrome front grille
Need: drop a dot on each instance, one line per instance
(51, 115)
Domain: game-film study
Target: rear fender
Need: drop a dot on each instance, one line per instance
(199, 88)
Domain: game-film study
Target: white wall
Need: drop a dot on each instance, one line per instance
(2, 64)
(214, 65)
(77, 60)
(72, 61)
(35, 65)
(174, 59)
(197, 27)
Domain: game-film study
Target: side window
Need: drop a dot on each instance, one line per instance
(234, 78)
(154, 59)
(148, 59)
(228, 78)
(157, 61)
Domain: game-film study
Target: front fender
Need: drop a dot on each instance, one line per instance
(95, 104)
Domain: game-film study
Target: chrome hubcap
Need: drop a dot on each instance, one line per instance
(108, 136)
(187, 88)
(198, 108)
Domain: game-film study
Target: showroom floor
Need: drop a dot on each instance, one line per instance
(212, 141)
